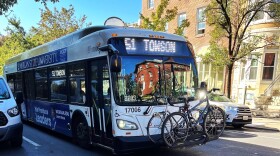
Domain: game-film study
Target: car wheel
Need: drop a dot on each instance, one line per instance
(238, 126)
(16, 142)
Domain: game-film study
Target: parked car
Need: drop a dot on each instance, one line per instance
(237, 115)
(10, 122)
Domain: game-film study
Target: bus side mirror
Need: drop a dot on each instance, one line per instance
(116, 63)
(115, 60)
(203, 85)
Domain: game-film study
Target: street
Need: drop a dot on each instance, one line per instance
(38, 141)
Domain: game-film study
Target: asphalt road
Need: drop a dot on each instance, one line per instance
(41, 142)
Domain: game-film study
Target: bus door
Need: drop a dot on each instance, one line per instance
(29, 93)
(101, 101)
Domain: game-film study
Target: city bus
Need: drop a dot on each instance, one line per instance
(101, 85)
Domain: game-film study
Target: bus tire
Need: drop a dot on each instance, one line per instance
(80, 132)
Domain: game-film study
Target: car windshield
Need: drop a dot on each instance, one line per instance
(4, 93)
(147, 80)
(218, 98)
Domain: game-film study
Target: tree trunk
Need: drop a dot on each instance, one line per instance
(229, 77)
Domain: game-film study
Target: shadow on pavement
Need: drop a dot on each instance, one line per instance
(218, 148)
(246, 129)
(6, 148)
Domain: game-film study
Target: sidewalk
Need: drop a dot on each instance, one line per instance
(272, 124)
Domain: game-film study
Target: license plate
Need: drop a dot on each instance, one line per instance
(245, 118)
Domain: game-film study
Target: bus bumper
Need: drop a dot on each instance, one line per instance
(131, 144)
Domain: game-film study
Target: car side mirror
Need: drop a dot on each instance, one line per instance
(203, 85)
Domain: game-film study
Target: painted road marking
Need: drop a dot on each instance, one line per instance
(30, 141)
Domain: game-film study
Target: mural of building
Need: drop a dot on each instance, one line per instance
(151, 74)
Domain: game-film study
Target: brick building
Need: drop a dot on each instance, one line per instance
(197, 33)
(250, 79)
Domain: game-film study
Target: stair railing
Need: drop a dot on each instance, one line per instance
(268, 89)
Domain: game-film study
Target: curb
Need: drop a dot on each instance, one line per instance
(262, 128)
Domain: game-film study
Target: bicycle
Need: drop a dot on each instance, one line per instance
(155, 123)
(181, 128)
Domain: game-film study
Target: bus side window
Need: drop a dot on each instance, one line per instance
(77, 91)
(106, 92)
(94, 82)
(77, 83)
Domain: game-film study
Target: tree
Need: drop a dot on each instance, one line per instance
(54, 24)
(231, 38)
(5, 5)
(161, 17)
(16, 42)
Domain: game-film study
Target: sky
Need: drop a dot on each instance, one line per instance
(97, 11)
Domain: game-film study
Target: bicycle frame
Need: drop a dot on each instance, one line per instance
(195, 107)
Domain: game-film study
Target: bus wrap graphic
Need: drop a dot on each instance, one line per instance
(53, 57)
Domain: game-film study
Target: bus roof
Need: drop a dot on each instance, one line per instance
(76, 36)
(59, 43)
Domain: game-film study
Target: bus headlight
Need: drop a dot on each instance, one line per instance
(13, 111)
(126, 125)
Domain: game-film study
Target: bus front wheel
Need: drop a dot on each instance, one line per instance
(81, 132)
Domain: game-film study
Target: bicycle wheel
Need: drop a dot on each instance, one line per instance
(174, 129)
(154, 127)
(214, 122)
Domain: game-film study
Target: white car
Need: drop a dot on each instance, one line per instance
(10, 122)
(236, 115)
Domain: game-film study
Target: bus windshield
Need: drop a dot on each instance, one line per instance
(147, 80)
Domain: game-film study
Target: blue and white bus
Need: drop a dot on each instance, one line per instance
(100, 85)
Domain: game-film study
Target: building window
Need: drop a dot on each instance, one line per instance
(151, 4)
(259, 16)
(200, 71)
(151, 74)
(181, 17)
(253, 68)
(142, 77)
(151, 84)
(201, 21)
(166, 27)
(268, 66)
(242, 71)
(271, 14)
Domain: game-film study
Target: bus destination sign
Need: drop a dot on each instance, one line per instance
(149, 45)
(53, 57)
